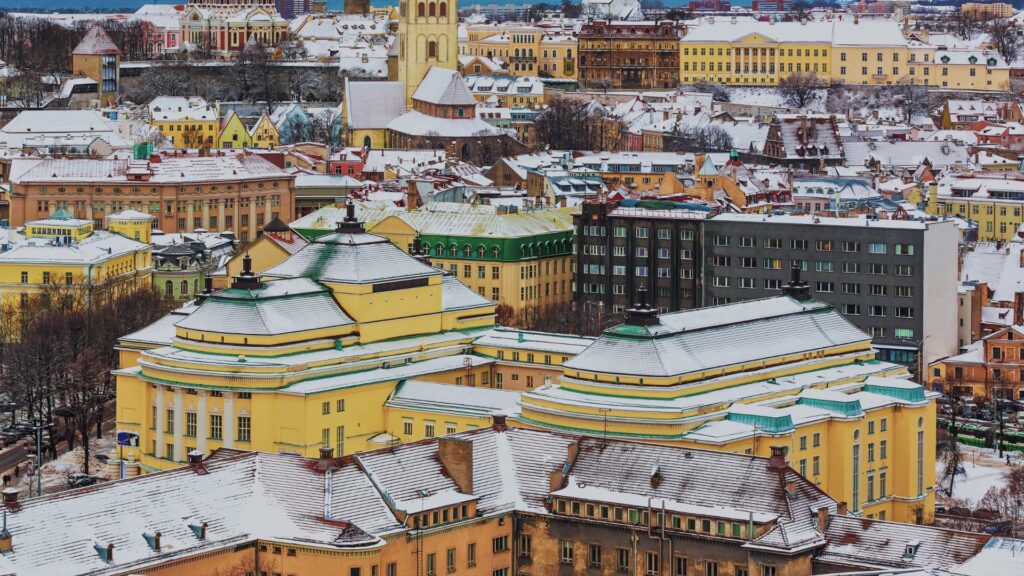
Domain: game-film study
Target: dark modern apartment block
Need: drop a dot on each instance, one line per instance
(620, 249)
(894, 279)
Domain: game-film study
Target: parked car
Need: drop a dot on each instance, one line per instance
(81, 480)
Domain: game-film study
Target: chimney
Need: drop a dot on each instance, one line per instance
(195, 457)
(153, 540)
(411, 197)
(11, 498)
(778, 459)
(499, 422)
(790, 489)
(1018, 307)
(326, 460)
(6, 541)
(841, 510)
(555, 480)
(822, 519)
(199, 530)
(456, 456)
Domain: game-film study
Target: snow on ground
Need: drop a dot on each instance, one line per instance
(982, 470)
(770, 97)
(56, 472)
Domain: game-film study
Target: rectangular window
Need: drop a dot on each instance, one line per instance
(594, 555)
(244, 429)
(471, 554)
(525, 545)
(216, 426)
(565, 552)
(428, 428)
(325, 408)
(407, 426)
(877, 248)
(624, 559)
(499, 544)
(190, 424)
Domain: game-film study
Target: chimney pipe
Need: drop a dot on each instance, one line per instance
(326, 460)
(10, 496)
(195, 458)
(777, 461)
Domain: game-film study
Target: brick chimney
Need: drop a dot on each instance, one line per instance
(777, 461)
(326, 460)
(456, 456)
(822, 519)
(11, 498)
(1018, 307)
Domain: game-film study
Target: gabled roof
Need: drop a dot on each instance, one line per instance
(445, 87)
(96, 42)
(859, 542)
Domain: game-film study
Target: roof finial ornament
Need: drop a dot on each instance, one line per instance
(642, 314)
(350, 224)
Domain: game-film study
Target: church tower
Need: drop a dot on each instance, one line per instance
(428, 35)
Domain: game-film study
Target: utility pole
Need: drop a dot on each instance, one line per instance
(39, 458)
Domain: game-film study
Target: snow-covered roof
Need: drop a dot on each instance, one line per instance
(171, 168)
(444, 87)
(692, 341)
(59, 124)
(415, 123)
(905, 154)
(177, 108)
(352, 258)
(373, 104)
(437, 398)
(277, 307)
(96, 42)
(849, 537)
(98, 247)
(998, 266)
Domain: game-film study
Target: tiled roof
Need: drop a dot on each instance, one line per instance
(859, 541)
(373, 104)
(96, 42)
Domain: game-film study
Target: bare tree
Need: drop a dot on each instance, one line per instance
(963, 25)
(697, 139)
(912, 99)
(800, 89)
(1006, 39)
(575, 124)
(718, 91)
(1007, 500)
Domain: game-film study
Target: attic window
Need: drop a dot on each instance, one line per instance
(911, 550)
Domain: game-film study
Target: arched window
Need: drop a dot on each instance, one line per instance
(454, 250)
(432, 49)
(433, 10)
(481, 252)
(195, 286)
(168, 288)
(467, 251)
(184, 287)
(366, 142)
(443, 10)
(421, 9)
(495, 252)
(517, 53)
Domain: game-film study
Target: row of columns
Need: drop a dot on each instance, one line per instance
(202, 422)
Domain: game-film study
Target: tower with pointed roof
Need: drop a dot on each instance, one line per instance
(427, 36)
(98, 58)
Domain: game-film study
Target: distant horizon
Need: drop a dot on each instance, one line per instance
(334, 5)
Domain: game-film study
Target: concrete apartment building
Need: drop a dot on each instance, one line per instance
(896, 280)
(621, 249)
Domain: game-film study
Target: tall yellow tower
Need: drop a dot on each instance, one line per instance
(428, 35)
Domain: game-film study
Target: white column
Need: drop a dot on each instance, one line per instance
(179, 424)
(202, 422)
(161, 421)
(228, 422)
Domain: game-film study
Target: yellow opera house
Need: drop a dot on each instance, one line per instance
(343, 344)
(786, 375)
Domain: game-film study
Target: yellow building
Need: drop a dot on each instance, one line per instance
(795, 377)
(307, 357)
(132, 224)
(233, 133)
(427, 36)
(867, 51)
(528, 50)
(987, 10)
(264, 133)
(62, 253)
(992, 201)
(97, 57)
(186, 122)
